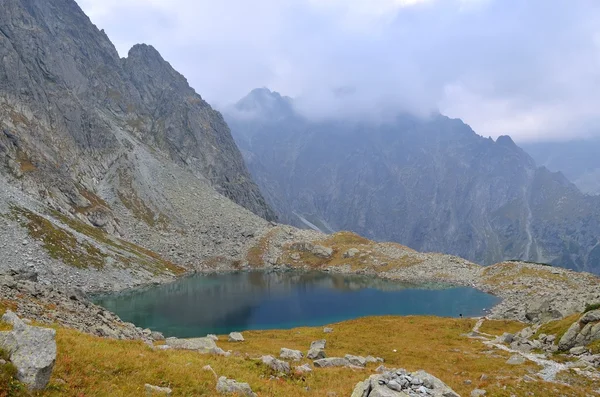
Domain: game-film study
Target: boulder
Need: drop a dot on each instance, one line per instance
(399, 383)
(332, 362)
(578, 351)
(541, 311)
(157, 391)
(322, 252)
(213, 337)
(32, 350)
(582, 332)
(315, 354)
(235, 337)
(276, 365)
(288, 354)
(383, 391)
(356, 360)
(318, 344)
(362, 389)
(505, 338)
(230, 386)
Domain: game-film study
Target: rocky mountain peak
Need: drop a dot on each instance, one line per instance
(264, 102)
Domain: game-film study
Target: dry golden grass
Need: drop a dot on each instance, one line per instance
(498, 327)
(369, 256)
(507, 272)
(92, 366)
(558, 327)
(255, 255)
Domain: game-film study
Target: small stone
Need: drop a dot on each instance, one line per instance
(478, 393)
(578, 351)
(483, 377)
(318, 344)
(332, 362)
(327, 330)
(303, 369)
(416, 382)
(157, 391)
(517, 359)
(236, 337)
(468, 382)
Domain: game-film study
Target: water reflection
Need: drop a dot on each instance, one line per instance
(222, 303)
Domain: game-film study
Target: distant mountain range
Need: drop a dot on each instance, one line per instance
(578, 159)
(432, 184)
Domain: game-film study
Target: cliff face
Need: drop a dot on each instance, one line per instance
(101, 155)
(72, 104)
(432, 184)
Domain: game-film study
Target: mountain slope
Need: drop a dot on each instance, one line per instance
(96, 148)
(434, 185)
(578, 160)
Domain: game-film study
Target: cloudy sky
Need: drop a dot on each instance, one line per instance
(528, 68)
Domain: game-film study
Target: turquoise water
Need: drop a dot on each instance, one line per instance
(219, 304)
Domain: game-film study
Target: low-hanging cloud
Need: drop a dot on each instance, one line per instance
(530, 69)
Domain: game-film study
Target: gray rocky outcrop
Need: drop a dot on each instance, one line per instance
(582, 332)
(542, 311)
(32, 350)
(400, 383)
(230, 386)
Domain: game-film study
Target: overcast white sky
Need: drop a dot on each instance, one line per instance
(527, 68)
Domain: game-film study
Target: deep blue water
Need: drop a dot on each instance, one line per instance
(219, 304)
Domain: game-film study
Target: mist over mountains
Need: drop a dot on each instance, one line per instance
(430, 183)
(578, 160)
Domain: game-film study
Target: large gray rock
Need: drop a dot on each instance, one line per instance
(288, 354)
(318, 344)
(32, 350)
(236, 337)
(582, 332)
(230, 386)
(315, 354)
(356, 360)
(399, 383)
(332, 362)
(275, 364)
(383, 391)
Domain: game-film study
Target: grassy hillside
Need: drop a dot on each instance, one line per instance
(92, 366)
